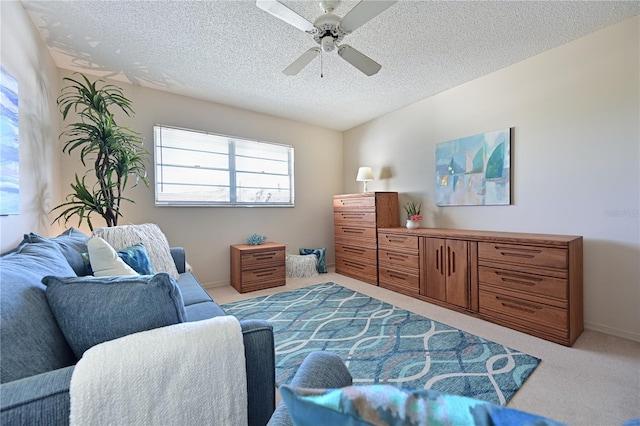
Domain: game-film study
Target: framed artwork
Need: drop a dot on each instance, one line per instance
(9, 147)
(474, 171)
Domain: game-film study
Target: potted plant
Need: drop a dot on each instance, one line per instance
(413, 214)
(115, 152)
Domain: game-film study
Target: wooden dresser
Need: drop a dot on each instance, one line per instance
(528, 282)
(357, 218)
(257, 267)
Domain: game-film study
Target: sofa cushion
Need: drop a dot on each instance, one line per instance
(72, 243)
(387, 404)
(192, 291)
(150, 235)
(203, 310)
(32, 342)
(92, 310)
(137, 257)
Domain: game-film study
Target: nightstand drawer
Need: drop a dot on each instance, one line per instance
(249, 260)
(266, 273)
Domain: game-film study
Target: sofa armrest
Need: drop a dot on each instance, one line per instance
(179, 258)
(42, 399)
(319, 370)
(260, 358)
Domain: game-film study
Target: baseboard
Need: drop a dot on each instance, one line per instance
(216, 284)
(612, 331)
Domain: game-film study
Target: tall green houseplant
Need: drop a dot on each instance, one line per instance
(114, 152)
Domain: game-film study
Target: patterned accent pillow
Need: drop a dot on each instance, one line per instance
(320, 254)
(137, 257)
(389, 405)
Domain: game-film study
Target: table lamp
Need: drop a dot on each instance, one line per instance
(364, 175)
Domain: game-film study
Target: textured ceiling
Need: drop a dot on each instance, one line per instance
(233, 53)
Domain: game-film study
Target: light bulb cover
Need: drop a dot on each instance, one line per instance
(364, 174)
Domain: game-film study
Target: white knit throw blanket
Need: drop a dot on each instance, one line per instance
(185, 374)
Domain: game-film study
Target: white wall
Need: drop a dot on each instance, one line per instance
(23, 53)
(575, 116)
(207, 232)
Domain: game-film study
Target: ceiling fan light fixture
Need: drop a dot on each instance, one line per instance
(328, 44)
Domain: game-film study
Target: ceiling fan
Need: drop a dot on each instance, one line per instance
(328, 30)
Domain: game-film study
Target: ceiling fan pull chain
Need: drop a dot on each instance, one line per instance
(321, 65)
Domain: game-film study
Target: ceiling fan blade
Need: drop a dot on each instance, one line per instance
(281, 11)
(302, 61)
(363, 12)
(359, 60)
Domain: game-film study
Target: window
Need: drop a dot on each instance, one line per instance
(203, 169)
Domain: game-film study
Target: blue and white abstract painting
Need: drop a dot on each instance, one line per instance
(475, 170)
(9, 144)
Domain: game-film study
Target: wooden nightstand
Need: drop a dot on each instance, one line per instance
(257, 267)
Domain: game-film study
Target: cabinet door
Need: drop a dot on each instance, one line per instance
(457, 277)
(435, 278)
(446, 275)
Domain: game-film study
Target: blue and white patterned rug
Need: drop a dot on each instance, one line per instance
(381, 343)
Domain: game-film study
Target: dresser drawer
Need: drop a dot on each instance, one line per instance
(357, 268)
(344, 231)
(397, 258)
(353, 251)
(523, 281)
(249, 260)
(356, 203)
(409, 242)
(265, 273)
(527, 313)
(393, 278)
(526, 255)
(354, 218)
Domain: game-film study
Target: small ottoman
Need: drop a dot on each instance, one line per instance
(300, 266)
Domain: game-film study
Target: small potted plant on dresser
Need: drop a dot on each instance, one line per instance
(413, 214)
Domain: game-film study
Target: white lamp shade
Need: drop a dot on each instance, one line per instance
(364, 174)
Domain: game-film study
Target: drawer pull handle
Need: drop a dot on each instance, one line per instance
(396, 239)
(352, 216)
(518, 252)
(530, 309)
(264, 256)
(396, 257)
(358, 231)
(265, 273)
(518, 279)
(398, 277)
(353, 250)
(353, 265)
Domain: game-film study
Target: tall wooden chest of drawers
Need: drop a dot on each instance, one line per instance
(357, 218)
(257, 267)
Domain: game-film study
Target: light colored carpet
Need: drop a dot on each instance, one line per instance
(595, 382)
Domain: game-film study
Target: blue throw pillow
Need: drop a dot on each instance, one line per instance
(72, 243)
(390, 405)
(92, 310)
(32, 342)
(320, 254)
(137, 257)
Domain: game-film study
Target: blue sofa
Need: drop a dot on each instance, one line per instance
(37, 363)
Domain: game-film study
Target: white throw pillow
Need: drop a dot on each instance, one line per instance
(149, 234)
(105, 261)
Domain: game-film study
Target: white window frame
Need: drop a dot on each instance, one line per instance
(166, 199)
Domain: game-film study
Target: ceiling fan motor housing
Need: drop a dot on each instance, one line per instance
(328, 31)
